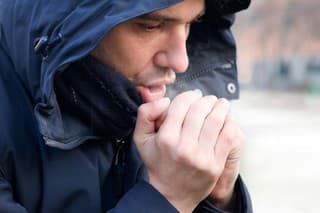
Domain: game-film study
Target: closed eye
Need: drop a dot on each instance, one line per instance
(149, 27)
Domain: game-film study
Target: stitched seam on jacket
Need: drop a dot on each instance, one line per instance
(196, 75)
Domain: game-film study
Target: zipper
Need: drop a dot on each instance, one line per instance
(119, 166)
(120, 143)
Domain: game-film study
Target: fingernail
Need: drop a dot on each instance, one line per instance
(198, 91)
(224, 101)
(213, 97)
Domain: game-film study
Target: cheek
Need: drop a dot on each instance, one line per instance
(129, 52)
(134, 58)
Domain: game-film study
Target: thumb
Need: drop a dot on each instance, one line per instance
(147, 117)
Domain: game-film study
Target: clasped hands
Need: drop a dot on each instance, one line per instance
(191, 148)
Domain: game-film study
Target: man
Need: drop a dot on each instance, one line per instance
(85, 124)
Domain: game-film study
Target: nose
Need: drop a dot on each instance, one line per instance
(173, 52)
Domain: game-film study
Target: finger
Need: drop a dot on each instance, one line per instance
(160, 120)
(229, 141)
(194, 120)
(177, 112)
(147, 115)
(213, 125)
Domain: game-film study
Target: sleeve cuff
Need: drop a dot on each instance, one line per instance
(144, 198)
(243, 201)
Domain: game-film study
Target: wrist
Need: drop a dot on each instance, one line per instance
(183, 203)
(226, 202)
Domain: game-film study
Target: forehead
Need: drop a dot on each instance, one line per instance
(184, 11)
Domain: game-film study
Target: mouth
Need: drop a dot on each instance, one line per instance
(152, 92)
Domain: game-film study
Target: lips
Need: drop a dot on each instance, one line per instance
(152, 92)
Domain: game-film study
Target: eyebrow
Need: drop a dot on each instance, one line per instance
(166, 18)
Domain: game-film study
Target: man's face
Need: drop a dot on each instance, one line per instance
(150, 49)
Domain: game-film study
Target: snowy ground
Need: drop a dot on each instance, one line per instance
(282, 155)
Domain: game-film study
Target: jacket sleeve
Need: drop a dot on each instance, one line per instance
(243, 203)
(7, 202)
(143, 198)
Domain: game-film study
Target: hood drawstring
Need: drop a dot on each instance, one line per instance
(42, 45)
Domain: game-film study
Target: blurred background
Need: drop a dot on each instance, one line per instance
(279, 108)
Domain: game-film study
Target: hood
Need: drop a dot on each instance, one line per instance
(41, 38)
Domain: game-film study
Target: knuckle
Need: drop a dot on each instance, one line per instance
(165, 141)
(142, 110)
(232, 136)
(184, 155)
(228, 139)
(204, 165)
(229, 132)
(214, 172)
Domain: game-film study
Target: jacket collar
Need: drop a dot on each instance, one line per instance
(93, 102)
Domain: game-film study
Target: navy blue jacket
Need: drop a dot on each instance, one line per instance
(66, 127)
